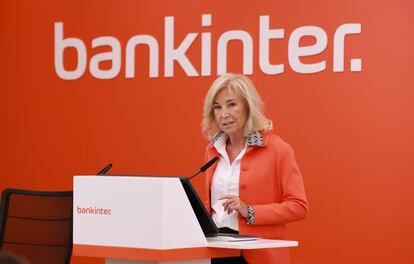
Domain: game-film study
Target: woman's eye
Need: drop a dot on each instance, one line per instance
(217, 107)
(232, 104)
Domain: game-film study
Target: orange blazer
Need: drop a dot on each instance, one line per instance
(270, 181)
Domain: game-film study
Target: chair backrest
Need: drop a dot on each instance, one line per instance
(37, 225)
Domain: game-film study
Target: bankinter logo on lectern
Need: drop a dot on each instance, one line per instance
(178, 54)
(93, 210)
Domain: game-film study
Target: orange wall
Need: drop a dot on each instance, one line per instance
(352, 131)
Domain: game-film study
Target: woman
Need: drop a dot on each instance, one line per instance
(256, 187)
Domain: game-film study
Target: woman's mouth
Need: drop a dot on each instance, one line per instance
(227, 124)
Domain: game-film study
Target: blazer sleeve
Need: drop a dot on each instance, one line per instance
(294, 205)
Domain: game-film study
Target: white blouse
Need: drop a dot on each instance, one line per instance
(225, 182)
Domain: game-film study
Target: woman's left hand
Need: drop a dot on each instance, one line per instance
(234, 203)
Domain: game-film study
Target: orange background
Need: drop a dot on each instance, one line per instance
(352, 131)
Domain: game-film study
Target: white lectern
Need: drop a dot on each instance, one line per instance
(127, 219)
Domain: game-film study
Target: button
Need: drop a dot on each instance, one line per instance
(243, 186)
(244, 167)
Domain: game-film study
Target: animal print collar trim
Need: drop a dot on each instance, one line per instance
(254, 139)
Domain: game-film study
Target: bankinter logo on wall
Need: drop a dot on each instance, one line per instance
(177, 53)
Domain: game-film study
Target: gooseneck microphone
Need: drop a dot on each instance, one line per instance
(205, 167)
(105, 170)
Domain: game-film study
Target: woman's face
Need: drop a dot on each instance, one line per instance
(230, 112)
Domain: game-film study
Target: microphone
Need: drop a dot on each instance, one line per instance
(105, 170)
(205, 167)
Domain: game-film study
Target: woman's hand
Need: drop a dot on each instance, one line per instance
(234, 203)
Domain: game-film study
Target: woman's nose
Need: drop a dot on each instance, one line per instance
(225, 112)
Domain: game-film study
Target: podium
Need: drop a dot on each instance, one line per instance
(131, 220)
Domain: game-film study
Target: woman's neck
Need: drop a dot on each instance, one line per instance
(236, 141)
(234, 146)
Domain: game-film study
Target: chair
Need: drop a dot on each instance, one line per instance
(37, 225)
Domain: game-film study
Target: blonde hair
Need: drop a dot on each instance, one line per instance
(243, 87)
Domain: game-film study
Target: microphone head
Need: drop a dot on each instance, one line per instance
(205, 167)
(105, 170)
(208, 164)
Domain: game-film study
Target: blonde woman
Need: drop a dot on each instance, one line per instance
(256, 187)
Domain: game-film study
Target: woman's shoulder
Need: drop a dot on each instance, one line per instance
(275, 142)
(210, 151)
(270, 137)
